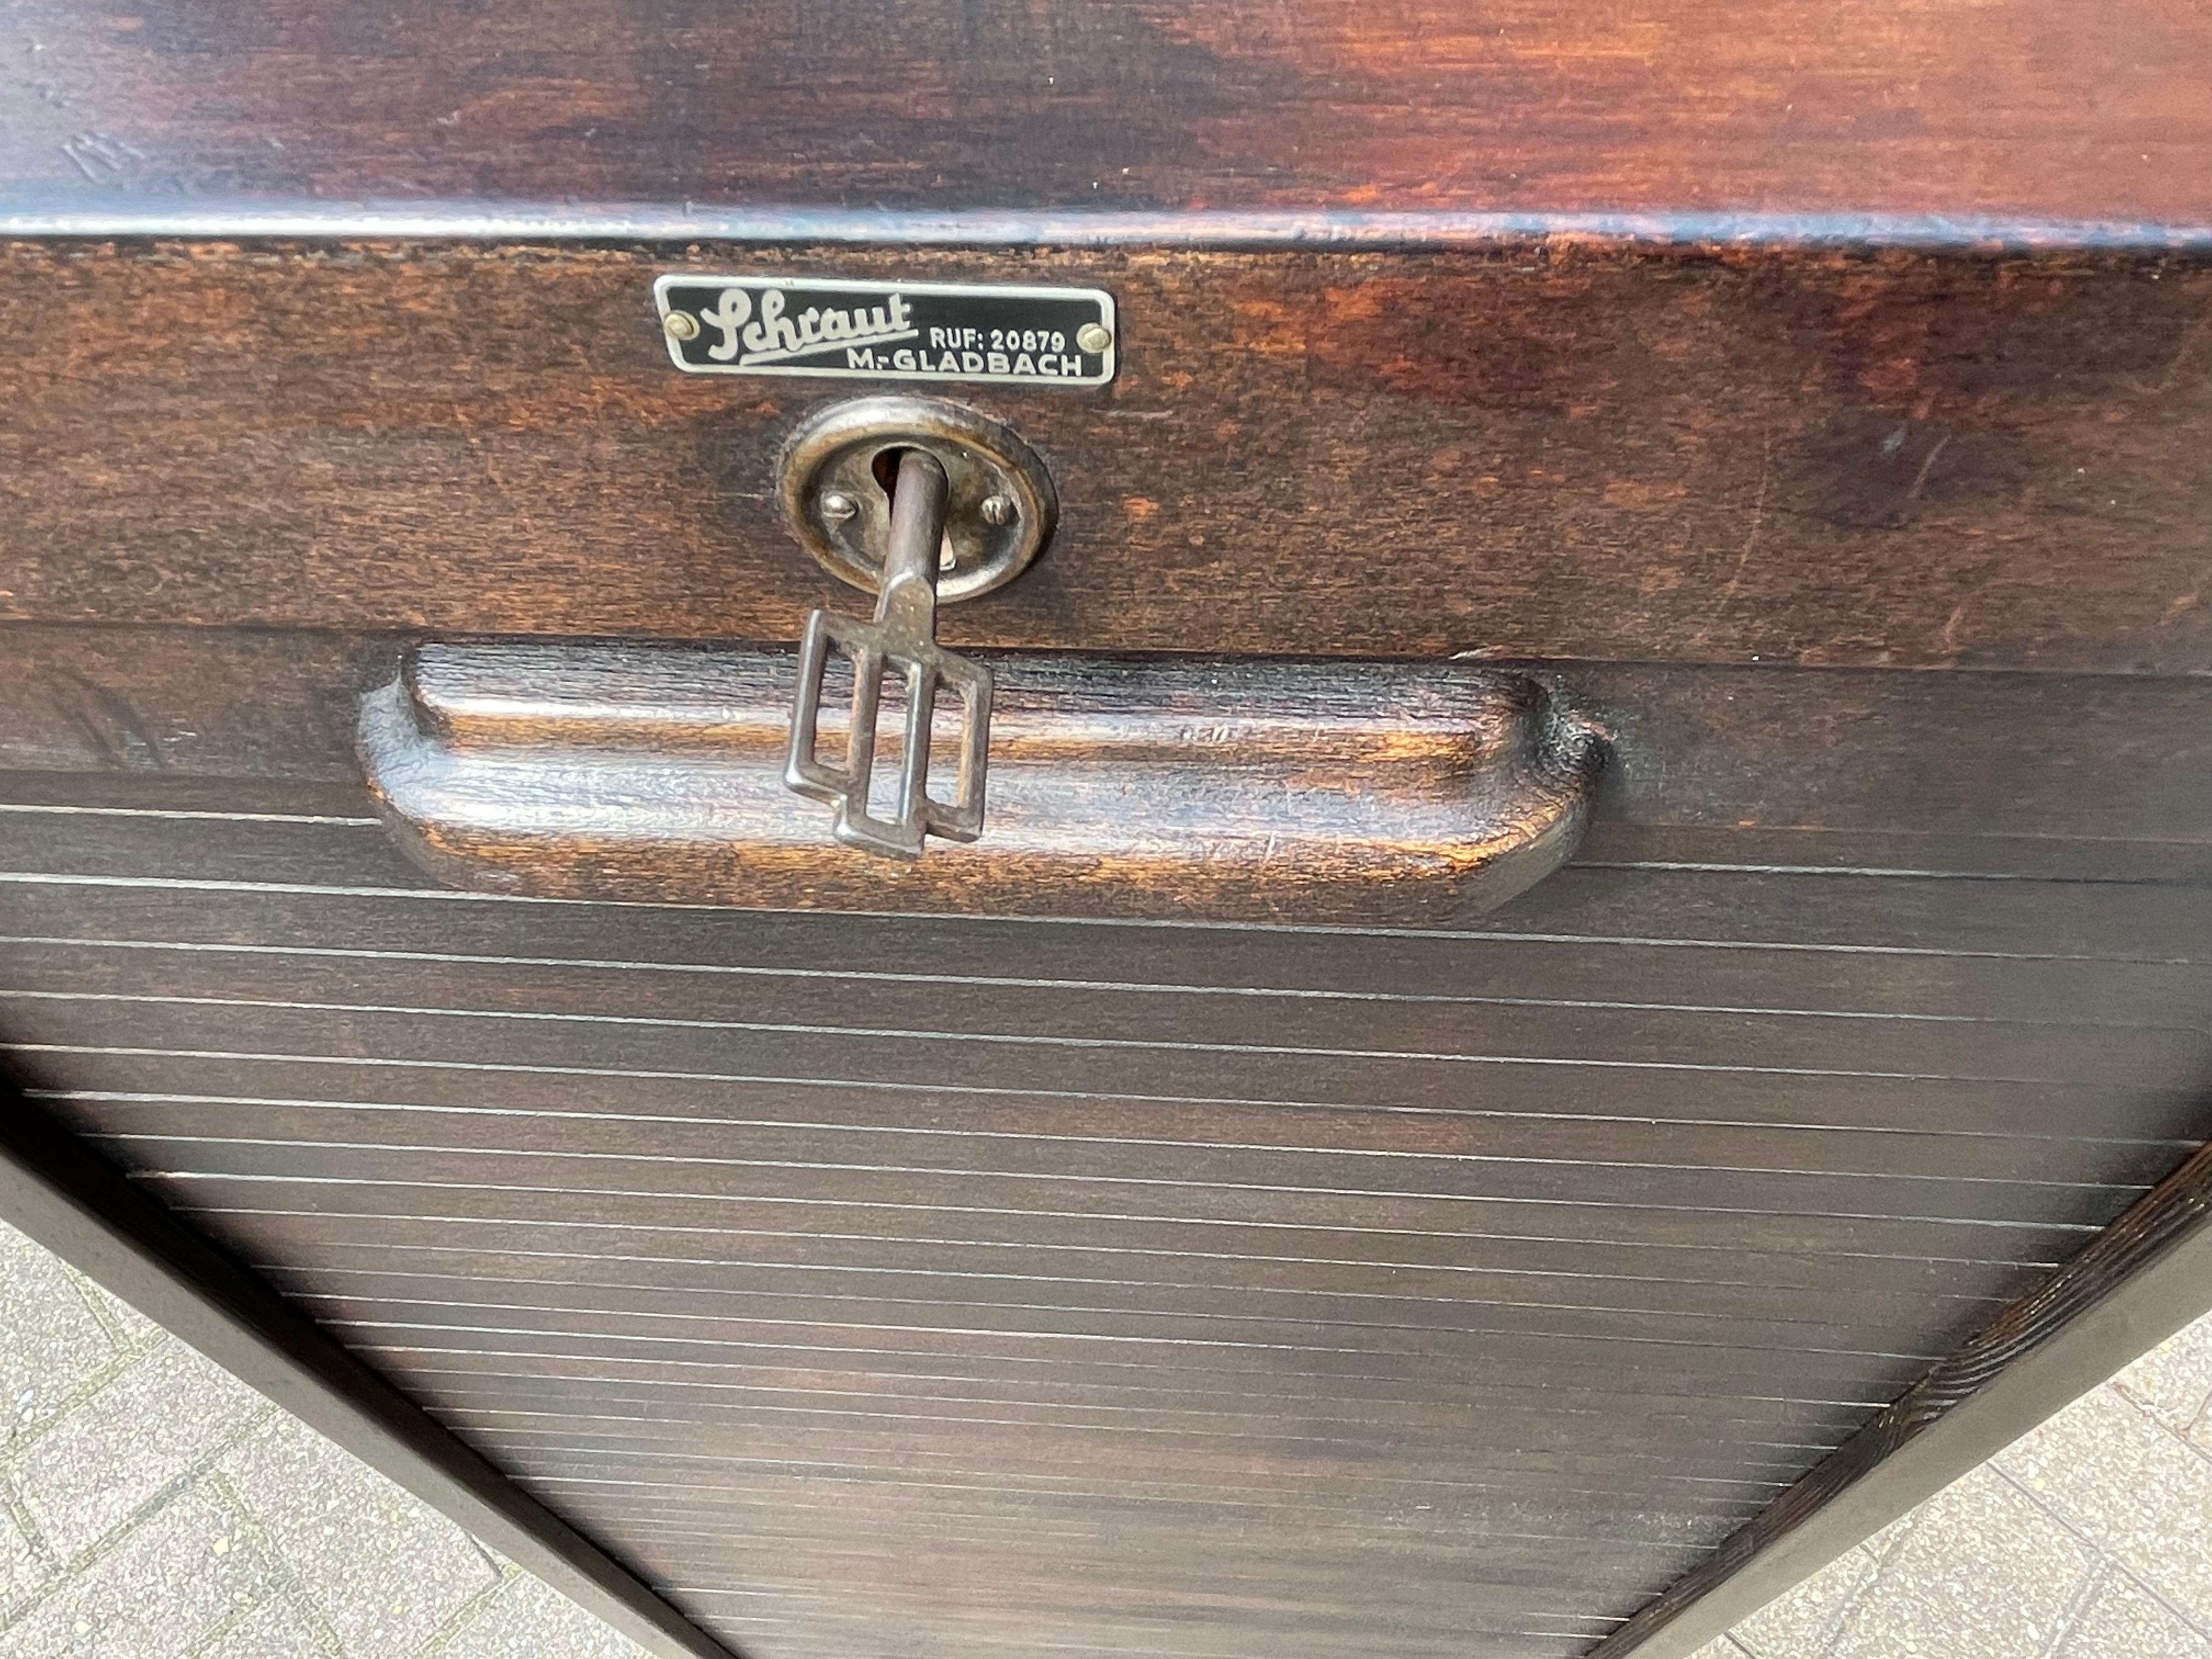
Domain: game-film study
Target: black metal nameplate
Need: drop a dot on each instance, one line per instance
(888, 330)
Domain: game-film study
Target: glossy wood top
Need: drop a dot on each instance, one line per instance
(2036, 111)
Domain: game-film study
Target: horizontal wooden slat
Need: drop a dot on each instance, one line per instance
(1327, 1466)
(722, 1158)
(1195, 1362)
(1129, 1264)
(555, 1393)
(678, 1306)
(1757, 1210)
(1488, 1582)
(1015, 959)
(500, 995)
(1557, 1273)
(1469, 1121)
(1234, 1311)
(2123, 920)
(348, 1100)
(554, 1406)
(1442, 1394)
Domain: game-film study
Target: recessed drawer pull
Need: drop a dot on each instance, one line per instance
(1311, 792)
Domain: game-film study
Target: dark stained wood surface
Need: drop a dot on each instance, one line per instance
(1207, 1291)
(1167, 1290)
(2042, 109)
(1187, 790)
(60, 1191)
(1547, 450)
(2172, 1215)
(1993, 773)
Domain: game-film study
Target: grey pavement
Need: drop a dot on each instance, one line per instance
(2087, 1538)
(153, 1507)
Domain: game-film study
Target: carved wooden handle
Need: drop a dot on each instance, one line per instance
(1376, 794)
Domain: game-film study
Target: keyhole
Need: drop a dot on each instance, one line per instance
(886, 467)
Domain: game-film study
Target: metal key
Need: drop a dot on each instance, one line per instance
(902, 638)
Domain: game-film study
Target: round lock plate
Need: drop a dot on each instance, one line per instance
(1000, 505)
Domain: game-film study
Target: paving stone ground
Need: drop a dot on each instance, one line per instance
(2087, 1538)
(152, 1507)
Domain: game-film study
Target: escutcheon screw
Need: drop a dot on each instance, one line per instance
(997, 511)
(837, 507)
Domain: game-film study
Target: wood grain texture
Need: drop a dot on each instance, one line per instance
(2038, 109)
(1196, 791)
(63, 1194)
(2142, 923)
(1150, 1288)
(2044, 775)
(1547, 450)
(2172, 1214)
(1213, 1293)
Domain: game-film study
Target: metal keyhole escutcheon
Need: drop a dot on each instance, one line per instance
(921, 500)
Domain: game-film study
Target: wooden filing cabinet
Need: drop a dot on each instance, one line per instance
(1588, 961)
